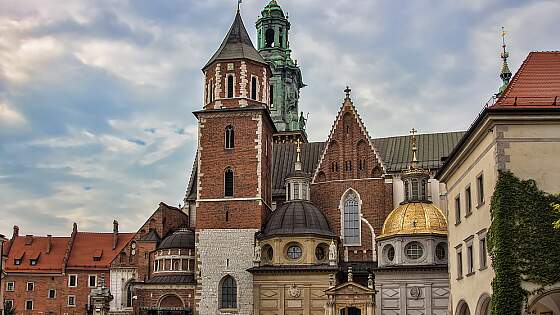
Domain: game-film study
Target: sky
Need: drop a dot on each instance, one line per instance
(96, 97)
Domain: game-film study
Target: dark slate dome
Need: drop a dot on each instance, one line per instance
(180, 239)
(297, 217)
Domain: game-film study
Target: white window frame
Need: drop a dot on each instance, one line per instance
(68, 300)
(89, 281)
(470, 255)
(13, 285)
(480, 189)
(49, 294)
(341, 208)
(482, 251)
(32, 305)
(32, 286)
(459, 261)
(69, 277)
(251, 88)
(11, 302)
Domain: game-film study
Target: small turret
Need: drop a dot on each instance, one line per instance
(505, 73)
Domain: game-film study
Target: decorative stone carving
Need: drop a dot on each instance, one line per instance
(415, 292)
(257, 253)
(294, 291)
(332, 254)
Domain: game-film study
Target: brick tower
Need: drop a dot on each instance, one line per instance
(234, 178)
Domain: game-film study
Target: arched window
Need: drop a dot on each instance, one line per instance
(414, 189)
(229, 137)
(228, 182)
(253, 88)
(230, 86)
(351, 220)
(228, 292)
(269, 38)
(406, 190)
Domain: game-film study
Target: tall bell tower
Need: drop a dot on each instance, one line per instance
(286, 81)
(234, 178)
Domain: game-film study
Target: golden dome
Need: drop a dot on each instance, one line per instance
(415, 218)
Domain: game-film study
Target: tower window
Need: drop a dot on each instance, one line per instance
(351, 220)
(269, 38)
(253, 88)
(271, 96)
(211, 91)
(230, 86)
(229, 137)
(228, 292)
(228, 182)
(281, 38)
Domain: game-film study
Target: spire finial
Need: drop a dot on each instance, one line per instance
(238, 4)
(505, 73)
(297, 164)
(347, 91)
(414, 148)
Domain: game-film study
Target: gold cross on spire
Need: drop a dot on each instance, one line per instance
(347, 91)
(414, 149)
(298, 150)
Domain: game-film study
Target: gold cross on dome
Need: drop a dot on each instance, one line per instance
(413, 131)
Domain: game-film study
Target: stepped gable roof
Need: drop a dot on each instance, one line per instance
(536, 83)
(180, 239)
(297, 217)
(53, 262)
(236, 45)
(394, 151)
(87, 245)
(397, 154)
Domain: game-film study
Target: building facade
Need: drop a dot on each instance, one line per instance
(519, 128)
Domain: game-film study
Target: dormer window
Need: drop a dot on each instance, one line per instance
(17, 262)
(33, 262)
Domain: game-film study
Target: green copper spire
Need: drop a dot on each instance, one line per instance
(273, 44)
(505, 74)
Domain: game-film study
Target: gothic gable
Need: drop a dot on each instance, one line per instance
(349, 151)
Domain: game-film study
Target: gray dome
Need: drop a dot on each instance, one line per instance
(180, 239)
(297, 217)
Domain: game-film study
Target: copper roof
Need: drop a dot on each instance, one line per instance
(536, 83)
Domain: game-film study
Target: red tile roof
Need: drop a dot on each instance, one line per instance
(87, 245)
(536, 83)
(53, 262)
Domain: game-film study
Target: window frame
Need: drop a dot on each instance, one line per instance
(228, 94)
(10, 302)
(32, 286)
(229, 137)
(459, 261)
(254, 89)
(457, 209)
(418, 249)
(470, 255)
(68, 300)
(13, 285)
(26, 305)
(49, 294)
(89, 281)
(228, 170)
(468, 201)
(345, 215)
(231, 296)
(271, 95)
(480, 189)
(482, 250)
(69, 280)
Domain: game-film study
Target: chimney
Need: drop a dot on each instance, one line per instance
(28, 239)
(75, 228)
(16, 232)
(49, 243)
(115, 233)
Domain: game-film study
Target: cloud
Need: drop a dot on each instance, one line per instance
(9, 117)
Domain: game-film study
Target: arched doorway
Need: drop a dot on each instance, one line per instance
(171, 305)
(546, 303)
(350, 311)
(463, 308)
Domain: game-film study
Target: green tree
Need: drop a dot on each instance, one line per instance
(556, 208)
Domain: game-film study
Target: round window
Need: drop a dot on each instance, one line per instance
(294, 252)
(390, 252)
(413, 250)
(441, 251)
(320, 252)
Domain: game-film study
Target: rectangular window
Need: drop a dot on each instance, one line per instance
(29, 305)
(52, 294)
(459, 265)
(254, 88)
(9, 303)
(482, 251)
(92, 281)
(470, 260)
(30, 286)
(17, 262)
(271, 96)
(71, 300)
(72, 281)
(296, 190)
(10, 286)
(480, 189)
(230, 86)
(468, 200)
(457, 209)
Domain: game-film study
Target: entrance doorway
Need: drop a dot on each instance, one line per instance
(350, 311)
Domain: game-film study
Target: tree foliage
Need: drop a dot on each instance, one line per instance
(523, 243)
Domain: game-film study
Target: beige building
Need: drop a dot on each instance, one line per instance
(519, 132)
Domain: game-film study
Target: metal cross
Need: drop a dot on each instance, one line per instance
(347, 91)
(413, 131)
